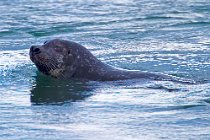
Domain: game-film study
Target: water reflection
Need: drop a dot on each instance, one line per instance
(47, 90)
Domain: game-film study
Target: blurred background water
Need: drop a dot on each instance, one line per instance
(165, 36)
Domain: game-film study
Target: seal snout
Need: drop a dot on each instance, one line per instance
(35, 50)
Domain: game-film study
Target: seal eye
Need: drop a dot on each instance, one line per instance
(45, 42)
(69, 51)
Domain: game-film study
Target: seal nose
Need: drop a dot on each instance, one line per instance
(35, 50)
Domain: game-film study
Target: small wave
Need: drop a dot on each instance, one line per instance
(15, 68)
(6, 32)
(164, 87)
(207, 101)
(183, 107)
(191, 23)
(11, 59)
(178, 107)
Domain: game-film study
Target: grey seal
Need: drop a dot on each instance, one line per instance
(69, 60)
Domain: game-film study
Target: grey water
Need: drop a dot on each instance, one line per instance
(166, 36)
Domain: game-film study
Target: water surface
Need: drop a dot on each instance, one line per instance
(171, 37)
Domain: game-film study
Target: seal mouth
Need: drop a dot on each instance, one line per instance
(47, 66)
(43, 62)
(44, 65)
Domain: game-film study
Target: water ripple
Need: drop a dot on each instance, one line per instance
(157, 36)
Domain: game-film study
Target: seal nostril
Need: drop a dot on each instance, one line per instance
(37, 50)
(31, 49)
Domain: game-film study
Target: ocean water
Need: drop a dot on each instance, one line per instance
(167, 36)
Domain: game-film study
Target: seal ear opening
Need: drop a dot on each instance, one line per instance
(69, 52)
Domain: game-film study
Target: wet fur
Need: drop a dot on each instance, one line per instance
(65, 59)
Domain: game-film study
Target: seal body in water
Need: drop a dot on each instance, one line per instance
(70, 60)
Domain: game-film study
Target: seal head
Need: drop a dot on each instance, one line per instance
(65, 59)
(54, 58)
